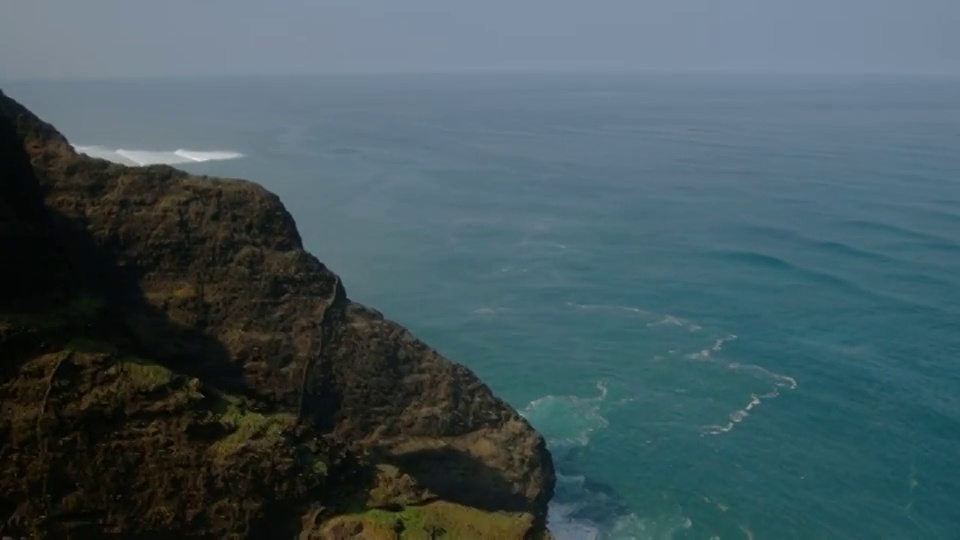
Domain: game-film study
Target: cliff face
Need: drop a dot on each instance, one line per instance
(172, 361)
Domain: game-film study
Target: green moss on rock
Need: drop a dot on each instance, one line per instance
(435, 520)
(146, 375)
(250, 430)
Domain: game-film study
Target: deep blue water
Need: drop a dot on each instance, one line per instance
(732, 303)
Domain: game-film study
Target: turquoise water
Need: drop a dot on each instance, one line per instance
(732, 303)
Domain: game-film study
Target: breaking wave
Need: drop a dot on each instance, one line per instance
(607, 307)
(706, 353)
(778, 382)
(582, 508)
(154, 157)
(567, 420)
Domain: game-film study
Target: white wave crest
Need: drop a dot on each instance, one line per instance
(154, 157)
(779, 381)
(706, 353)
(653, 527)
(579, 512)
(606, 307)
(563, 526)
(764, 373)
(739, 415)
(649, 319)
(672, 320)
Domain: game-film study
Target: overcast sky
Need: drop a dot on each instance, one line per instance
(107, 38)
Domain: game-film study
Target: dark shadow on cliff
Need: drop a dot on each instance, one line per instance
(446, 471)
(139, 327)
(27, 265)
(58, 282)
(87, 298)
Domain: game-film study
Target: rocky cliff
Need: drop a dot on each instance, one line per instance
(172, 362)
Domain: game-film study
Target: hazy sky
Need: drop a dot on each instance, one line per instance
(93, 38)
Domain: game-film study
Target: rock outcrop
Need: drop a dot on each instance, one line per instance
(172, 362)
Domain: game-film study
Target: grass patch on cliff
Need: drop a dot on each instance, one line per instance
(316, 465)
(439, 520)
(147, 375)
(250, 430)
(141, 383)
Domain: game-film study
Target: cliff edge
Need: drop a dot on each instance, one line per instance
(172, 362)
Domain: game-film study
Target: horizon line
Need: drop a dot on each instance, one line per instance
(474, 72)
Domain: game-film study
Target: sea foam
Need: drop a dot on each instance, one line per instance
(567, 420)
(155, 157)
(564, 526)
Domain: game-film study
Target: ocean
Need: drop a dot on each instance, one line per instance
(730, 302)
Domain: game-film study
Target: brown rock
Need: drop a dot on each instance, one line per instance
(207, 279)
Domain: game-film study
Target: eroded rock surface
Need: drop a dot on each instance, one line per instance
(181, 365)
